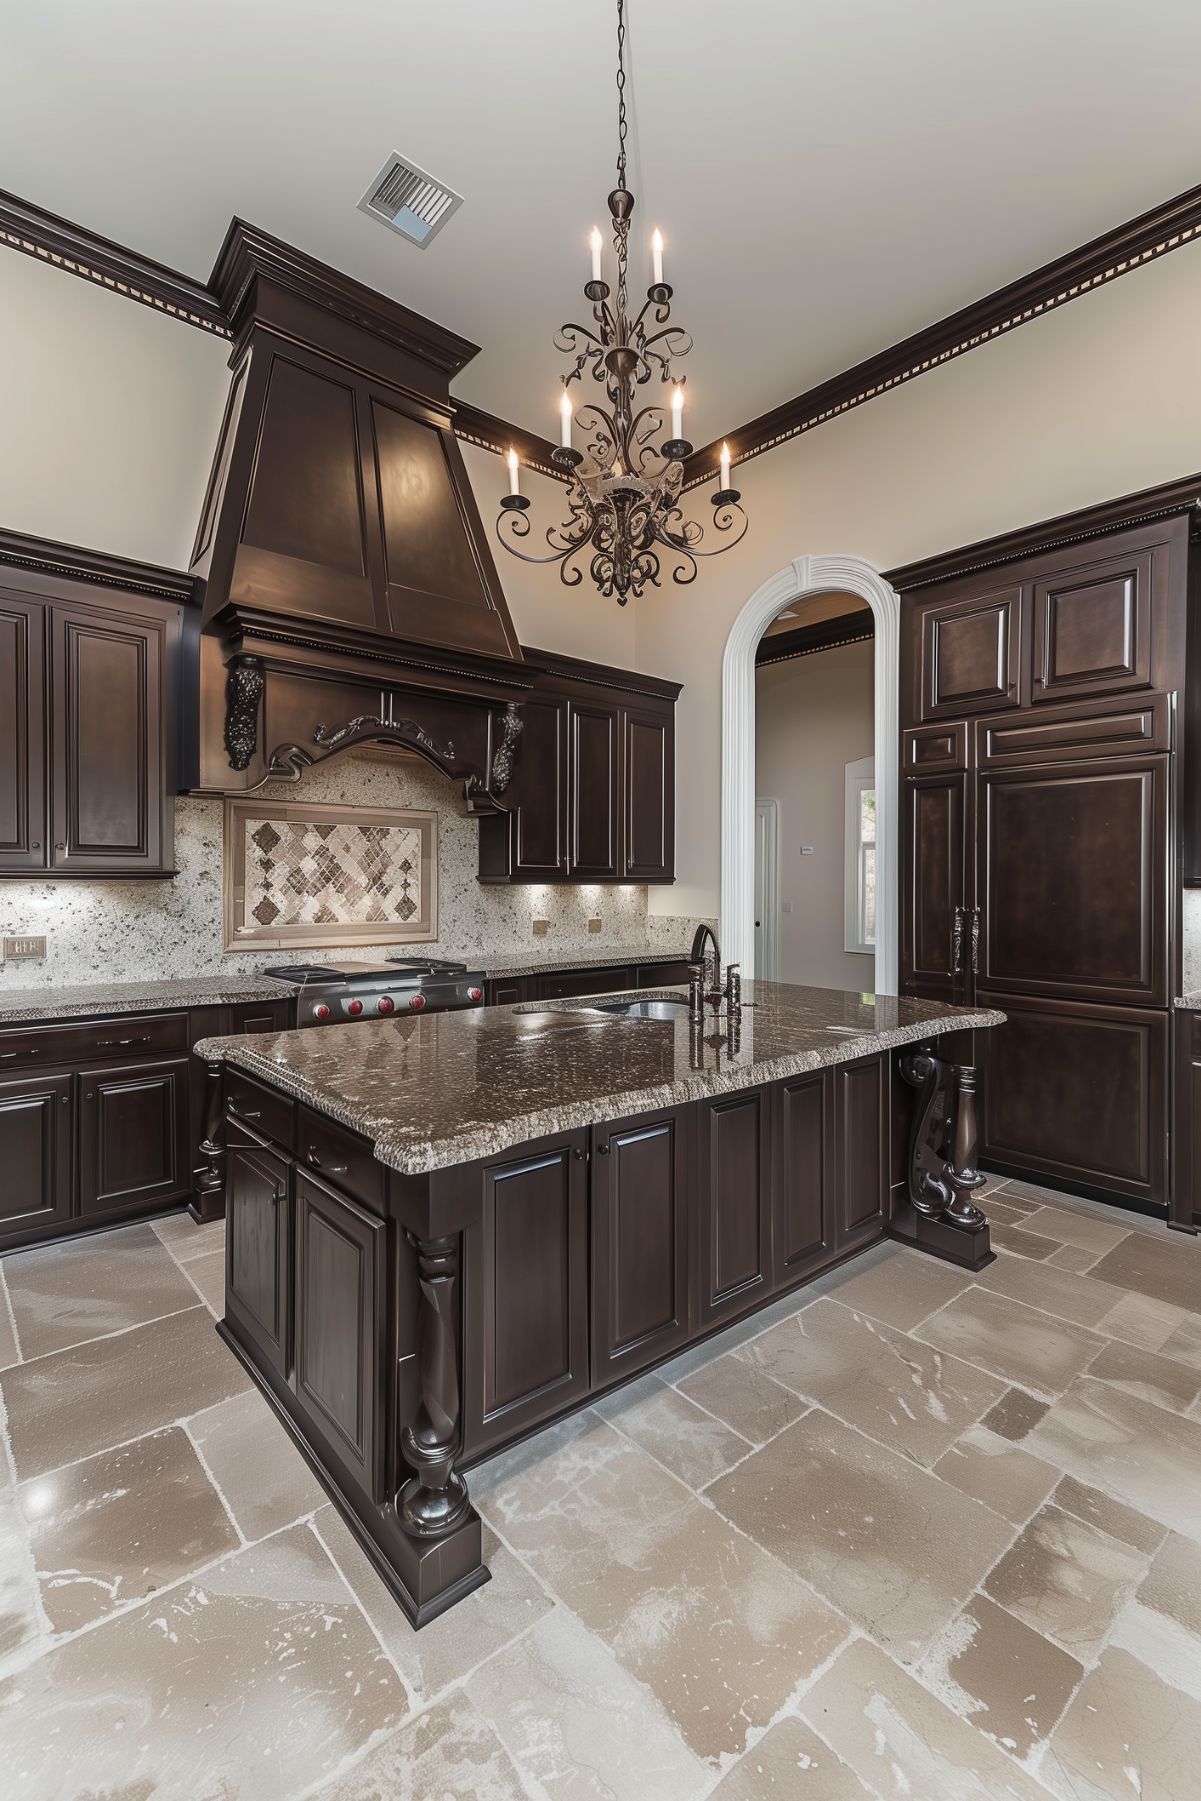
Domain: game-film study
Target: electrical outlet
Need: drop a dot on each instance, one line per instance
(786, 907)
(541, 927)
(17, 950)
(594, 925)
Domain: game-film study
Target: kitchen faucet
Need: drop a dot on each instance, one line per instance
(698, 954)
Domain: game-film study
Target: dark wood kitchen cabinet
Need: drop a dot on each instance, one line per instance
(733, 1204)
(593, 791)
(90, 718)
(35, 1153)
(258, 1248)
(1186, 1120)
(640, 1242)
(803, 1171)
(861, 1102)
(133, 1136)
(1042, 824)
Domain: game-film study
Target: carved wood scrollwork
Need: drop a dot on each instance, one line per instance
(942, 1145)
(502, 756)
(243, 697)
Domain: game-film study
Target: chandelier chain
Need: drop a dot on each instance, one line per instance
(621, 232)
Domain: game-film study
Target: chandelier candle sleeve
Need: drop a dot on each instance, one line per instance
(514, 473)
(677, 403)
(595, 241)
(725, 467)
(565, 422)
(657, 252)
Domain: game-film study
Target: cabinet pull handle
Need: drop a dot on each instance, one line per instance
(230, 1108)
(957, 941)
(7, 1056)
(975, 939)
(108, 1044)
(331, 1169)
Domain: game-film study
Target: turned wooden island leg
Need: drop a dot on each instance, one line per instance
(434, 1500)
(208, 1195)
(936, 1212)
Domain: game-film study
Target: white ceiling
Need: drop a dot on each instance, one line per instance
(830, 175)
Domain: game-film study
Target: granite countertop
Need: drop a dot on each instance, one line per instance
(449, 1088)
(21, 1005)
(531, 963)
(1188, 1003)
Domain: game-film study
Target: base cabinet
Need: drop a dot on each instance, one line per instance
(861, 1175)
(35, 1151)
(258, 1252)
(1186, 1122)
(133, 1136)
(803, 1231)
(639, 1219)
(733, 1204)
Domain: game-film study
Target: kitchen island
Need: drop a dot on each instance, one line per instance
(446, 1232)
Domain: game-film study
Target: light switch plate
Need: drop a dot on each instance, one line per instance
(17, 950)
(594, 925)
(541, 927)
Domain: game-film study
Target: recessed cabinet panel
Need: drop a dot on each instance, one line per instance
(22, 734)
(258, 1251)
(734, 1203)
(1071, 880)
(933, 946)
(639, 1244)
(595, 794)
(861, 1116)
(527, 1292)
(339, 1325)
(971, 655)
(540, 823)
(802, 1176)
(650, 797)
(1077, 1092)
(133, 1135)
(35, 1152)
(1092, 628)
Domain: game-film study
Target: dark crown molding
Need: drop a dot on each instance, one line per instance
(1139, 241)
(1162, 502)
(50, 558)
(823, 634)
(50, 239)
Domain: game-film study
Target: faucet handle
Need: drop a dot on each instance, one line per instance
(733, 985)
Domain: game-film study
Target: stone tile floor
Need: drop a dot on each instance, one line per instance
(907, 1534)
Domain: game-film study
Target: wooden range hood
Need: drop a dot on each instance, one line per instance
(349, 592)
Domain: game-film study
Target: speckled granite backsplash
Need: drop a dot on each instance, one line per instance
(132, 931)
(1191, 940)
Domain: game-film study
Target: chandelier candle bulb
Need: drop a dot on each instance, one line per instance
(565, 422)
(514, 473)
(725, 467)
(677, 404)
(657, 253)
(596, 254)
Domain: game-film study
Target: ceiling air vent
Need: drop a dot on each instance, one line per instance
(407, 200)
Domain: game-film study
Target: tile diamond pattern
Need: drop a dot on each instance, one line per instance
(309, 872)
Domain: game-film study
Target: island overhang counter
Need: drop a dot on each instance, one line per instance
(445, 1232)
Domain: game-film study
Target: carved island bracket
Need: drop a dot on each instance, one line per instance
(941, 1173)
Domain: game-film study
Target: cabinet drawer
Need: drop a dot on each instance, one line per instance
(268, 1113)
(340, 1157)
(570, 983)
(1061, 734)
(260, 1016)
(663, 975)
(935, 747)
(41, 1047)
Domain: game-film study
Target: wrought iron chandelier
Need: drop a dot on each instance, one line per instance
(624, 487)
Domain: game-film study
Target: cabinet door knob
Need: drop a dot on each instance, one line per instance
(602, 1150)
(37, 844)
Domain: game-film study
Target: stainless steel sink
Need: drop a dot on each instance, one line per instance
(642, 1009)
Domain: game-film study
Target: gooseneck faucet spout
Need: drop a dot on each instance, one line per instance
(699, 954)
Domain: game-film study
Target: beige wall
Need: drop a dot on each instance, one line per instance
(813, 716)
(1097, 399)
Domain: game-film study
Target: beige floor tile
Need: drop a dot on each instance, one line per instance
(1147, 1376)
(1028, 1195)
(1020, 1243)
(10, 1350)
(1001, 1215)
(1114, 1517)
(1138, 1320)
(1009, 1681)
(1173, 1584)
(1079, 1229)
(902, 1740)
(207, 1274)
(117, 1526)
(688, 1441)
(898, 1286)
(790, 1763)
(185, 1237)
(903, 1393)
(450, 1753)
(991, 1469)
(264, 1480)
(1163, 1270)
(744, 1398)
(1184, 1344)
(249, 1684)
(1081, 1300)
(1010, 1341)
(1140, 1454)
(63, 1294)
(1015, 1414)
(24, 1629)
(444, 1651)
(1126, 1737)
(1070, 1256)
(892, 1546)
(568, 1713)
(75, 1402)
(1162, 1644)
(1067, 1580)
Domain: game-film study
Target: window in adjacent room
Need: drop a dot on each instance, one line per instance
(859, 880)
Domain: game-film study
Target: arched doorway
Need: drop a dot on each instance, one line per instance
(804, 576)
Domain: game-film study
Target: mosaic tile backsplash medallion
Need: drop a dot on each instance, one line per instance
(312, 877)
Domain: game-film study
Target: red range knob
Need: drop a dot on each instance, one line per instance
(321, 1012)
(385, 1004)
(475, 994)
(354, 1008)
(417, 1002)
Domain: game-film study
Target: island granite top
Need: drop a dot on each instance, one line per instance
(555, 957)
(19, 1006)
(451, 1088)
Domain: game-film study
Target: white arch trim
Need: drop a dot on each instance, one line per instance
(807, 575)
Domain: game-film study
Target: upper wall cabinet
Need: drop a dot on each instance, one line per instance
(89, 709)
(593, 794)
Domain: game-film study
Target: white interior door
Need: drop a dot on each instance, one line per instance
(767, 889)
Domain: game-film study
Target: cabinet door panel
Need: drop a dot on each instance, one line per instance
(734, 1204)
(861, 1118)
(639, 1243)
(595, 793)
(1071, 878)
(526, 1281)
(971, 655)
(22, 734)
(339, 1317)
(803, 1223)
(540, 822)
(1078, 1093)
(133, 1135)
(649, 776)
(1092, 627)
(35, 1153)
(935, 885)
(258, 1252)
(109, 770)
